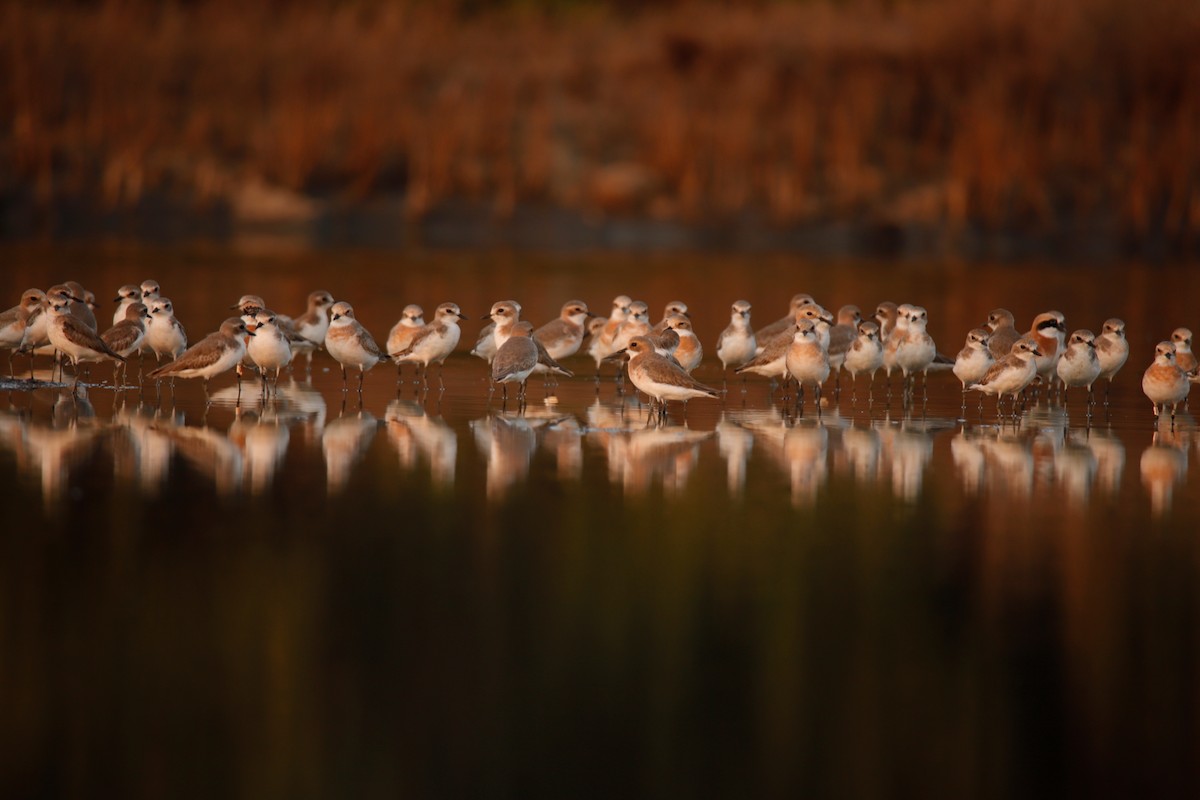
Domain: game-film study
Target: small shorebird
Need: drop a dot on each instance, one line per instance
(79, 305)
(770, 362)
(126, 336)
(1164, 382)
(1185, 359)
(1049, 331)
(127, 295)
(72, 337)
(674, 307)
(214, 354)
(783, 326)
(509, 312)
(1112, 350)
(1011, 374)
(314, 322)
(518, 356)
(974, 360)
(689, 352)
(595, 327)
(915, 351)
(1079, 365)
(865, 355)
(268, 346)
(562, 337)
(433, 342)
(737, 345)
(886, 314)
(71, 295)
(351, 344)
(150, 291)
(658, 378)
(841, 337)
(164, 334)
(892, 340)
(248, 305)
(412, 319)
(620, 313)
(15, 323)
(807, 361)
(1003, 326)
(636, 324)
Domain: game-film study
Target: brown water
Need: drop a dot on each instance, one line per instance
(427, 593)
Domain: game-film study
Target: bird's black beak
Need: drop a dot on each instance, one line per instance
(463, 316)
(117, 299)
(486, 316)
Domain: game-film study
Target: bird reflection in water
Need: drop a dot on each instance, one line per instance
(263, 439)
(907, 448)
(640, 456)
(798, 448)
(735, 444)
(1164, 465)
(143, 454)
(564, 439)
(52, 452)
(507, 441)
(344, 442)
(419, 436)
(859, 454)
(209, 452)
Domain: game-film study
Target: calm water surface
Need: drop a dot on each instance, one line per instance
(424, 592)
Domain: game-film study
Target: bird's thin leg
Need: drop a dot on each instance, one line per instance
(345, 380)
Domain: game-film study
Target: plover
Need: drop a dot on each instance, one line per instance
(562, 337)
(865, 354)
(15, 322)
(1049, 331)
(1011, 374)
(268, 346)
(1004, 335)
(658, 378)
(126, 336)
(350, 343)
(689, 352)
(214, 354)
(737, 345)
(636, 324)
(807, 361)
(842, 336)
(164, 333)
(886, 314)
(412, 319)
(71, 336)
(150, 291)
(433, 342)
(80, 309)
(516, 358)
(1185, 359)
(1164, 382)
(974, 360)
(672, 308)
(915, 350)
(1112, 350)
(1079, 365)
(127, 295)
(784, 326)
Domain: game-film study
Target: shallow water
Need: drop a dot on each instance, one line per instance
(427, 591)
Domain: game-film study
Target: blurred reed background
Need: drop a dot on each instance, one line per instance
(991, 116)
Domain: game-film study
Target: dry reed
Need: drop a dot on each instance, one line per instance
(1006, 114)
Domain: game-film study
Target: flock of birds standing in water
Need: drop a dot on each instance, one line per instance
(805, 347)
